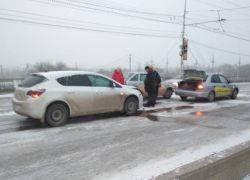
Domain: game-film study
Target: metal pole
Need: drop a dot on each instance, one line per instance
(167, 66)
(183, 33)
(239, 67)
(130, 62)
(1, 71)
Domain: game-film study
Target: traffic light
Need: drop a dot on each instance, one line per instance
(185, 49)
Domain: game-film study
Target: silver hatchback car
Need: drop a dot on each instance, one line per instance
(198, 84)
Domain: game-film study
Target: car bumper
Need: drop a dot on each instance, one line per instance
(198, 94)
(32, 107)
(140, 101)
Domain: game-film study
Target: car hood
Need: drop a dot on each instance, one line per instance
(128, 86)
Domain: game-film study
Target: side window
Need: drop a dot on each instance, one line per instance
(63, 81)
(143, 77)
(78, 80)
(98, 81)
(135, 78)
(223, 79)
(215, 79)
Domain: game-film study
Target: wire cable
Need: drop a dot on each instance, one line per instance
(85, 29)
(106, 11)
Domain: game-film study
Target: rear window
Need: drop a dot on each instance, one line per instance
(32, 81)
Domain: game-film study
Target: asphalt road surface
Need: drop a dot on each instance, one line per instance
(113, 146)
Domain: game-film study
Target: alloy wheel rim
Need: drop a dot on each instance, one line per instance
(131, 106)
(57, 115)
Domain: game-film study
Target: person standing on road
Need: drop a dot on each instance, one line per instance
(158, 83)
(118, 76)
(150, 86)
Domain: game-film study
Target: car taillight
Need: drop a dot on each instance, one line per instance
(36, 93)
(200, 87)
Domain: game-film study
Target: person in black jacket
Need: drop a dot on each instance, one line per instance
(158, 83)
(150, 86)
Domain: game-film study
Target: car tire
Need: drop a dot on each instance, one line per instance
(57, 115)
(211, 96)
(183, 98)
(168, 94)
(130, 106)
(234, 95)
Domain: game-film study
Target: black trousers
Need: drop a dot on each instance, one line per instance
(155, 95)
(151, 98)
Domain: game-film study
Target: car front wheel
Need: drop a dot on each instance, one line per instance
(168, 94)
(130, 106)
(184, 98)
(57, 115)
(234, 95)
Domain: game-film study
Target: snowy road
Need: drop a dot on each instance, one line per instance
(112, 146)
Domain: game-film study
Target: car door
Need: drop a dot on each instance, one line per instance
(217, 86)
(108, 98)
(134, 80)
(226, 88)
(79, 93)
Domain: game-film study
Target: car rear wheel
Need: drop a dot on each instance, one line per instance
(211, 96)
(168, 94)
(184, 98)
(234, 95)
(130, 106)
(57, 115)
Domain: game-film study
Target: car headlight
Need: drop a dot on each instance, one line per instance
(175, 84)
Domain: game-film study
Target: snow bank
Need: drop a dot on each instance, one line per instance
(6, 95)
(157, 167)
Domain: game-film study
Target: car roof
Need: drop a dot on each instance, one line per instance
(58, 74)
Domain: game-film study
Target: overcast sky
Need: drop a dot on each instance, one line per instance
(25, 43)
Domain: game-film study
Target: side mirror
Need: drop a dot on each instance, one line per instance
(229, 81)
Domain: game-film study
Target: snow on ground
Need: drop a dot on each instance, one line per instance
(11, 113)
(10, 95)
(157, 167)
(247, 177)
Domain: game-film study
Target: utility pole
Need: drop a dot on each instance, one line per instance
(213, 64)
(129, 62)
(167, 67)
(183, 33)
(1, 71)
(239, 67)
(196, 63)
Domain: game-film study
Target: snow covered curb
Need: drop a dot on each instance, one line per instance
(230, 164)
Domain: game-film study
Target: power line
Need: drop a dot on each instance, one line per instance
(106, 11)
(85, 29)
(225, 34)
(133, 11)
(170, 50)
(218, 49)
(113, 63)
(98, 24)
(196, 49)
(220, 8)
(195, 59)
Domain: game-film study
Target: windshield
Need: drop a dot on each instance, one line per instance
(128, 75)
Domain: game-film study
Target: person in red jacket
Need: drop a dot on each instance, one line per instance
(118, 76)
